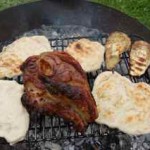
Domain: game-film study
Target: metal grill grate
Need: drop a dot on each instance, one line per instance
(54, 129)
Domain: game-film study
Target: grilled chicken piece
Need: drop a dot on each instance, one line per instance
(139, 58)
(116, 44)
(55, 84)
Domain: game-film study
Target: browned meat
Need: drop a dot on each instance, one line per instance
(55, 84)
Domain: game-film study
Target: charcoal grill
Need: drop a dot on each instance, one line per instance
(51, 132)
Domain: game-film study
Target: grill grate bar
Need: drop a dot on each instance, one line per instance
(52, 128)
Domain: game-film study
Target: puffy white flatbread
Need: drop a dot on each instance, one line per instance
(14, 119)
(122, 104)
(89, 54)
(13, 55)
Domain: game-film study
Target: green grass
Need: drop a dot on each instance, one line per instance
(8, 3)
(139, 9)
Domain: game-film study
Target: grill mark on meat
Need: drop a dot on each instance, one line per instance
(140, 64)
(142, 59)
(71, 92)
(137, 68)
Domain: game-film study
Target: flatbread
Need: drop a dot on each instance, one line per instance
(122, 104)
(14, 120)
(13, 55)
(88, 53)
(9, 64)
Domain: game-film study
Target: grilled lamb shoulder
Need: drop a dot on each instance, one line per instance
(55, 84)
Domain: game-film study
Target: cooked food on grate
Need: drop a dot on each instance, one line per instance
(14, 119)
(55, 84)
(89, 54)
(9, 64)
(13, 55)
(139, 58)
(122, 104)
(116, 44)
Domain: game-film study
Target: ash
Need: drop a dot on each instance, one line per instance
(53, 133)
(61, 32)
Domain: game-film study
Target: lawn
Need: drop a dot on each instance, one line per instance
(139, 9)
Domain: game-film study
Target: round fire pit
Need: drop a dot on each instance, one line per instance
(62, 22)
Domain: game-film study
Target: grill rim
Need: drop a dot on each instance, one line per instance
(12, 23)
